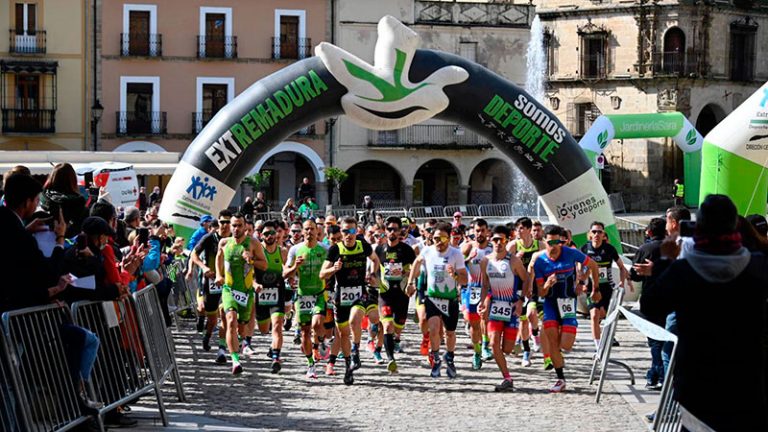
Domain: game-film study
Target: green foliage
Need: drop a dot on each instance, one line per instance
(336, 175)
(257, 180)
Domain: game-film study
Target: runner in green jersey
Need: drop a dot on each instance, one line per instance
(271, 295)
(236, 260)
(305, 260)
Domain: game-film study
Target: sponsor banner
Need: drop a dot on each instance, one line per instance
(689, 140)
(646, 125)
(745, 131)
(599, 135)
(744, 181)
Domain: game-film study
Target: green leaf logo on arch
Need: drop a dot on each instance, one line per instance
(602, 139)
(690, 137)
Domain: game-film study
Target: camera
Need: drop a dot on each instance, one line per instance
(143, 235)
(687, 228)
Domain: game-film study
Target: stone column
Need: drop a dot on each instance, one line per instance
(463, 194)
(408, 195)
(321, 194)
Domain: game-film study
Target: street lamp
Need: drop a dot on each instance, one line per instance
(96, 111)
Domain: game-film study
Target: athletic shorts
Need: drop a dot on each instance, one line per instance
(507, 328)
(342, 313)
(553, 317)
(309, 305)
(606, 292)
(470, 310)
(372, 300)
(266, 312)
(393, 304)
(244, 312)
(451, 318)
(530, 305)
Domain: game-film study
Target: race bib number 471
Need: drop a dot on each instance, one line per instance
(268, 296)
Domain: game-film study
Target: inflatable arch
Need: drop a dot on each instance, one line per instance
(655, 125)
(404, 86)
(735, 156)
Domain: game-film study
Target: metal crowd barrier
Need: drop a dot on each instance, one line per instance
(183, 298)
(668, 417)
(121, 373)
(602, 357)
(692, 423)
(272, 215)
(496, 210)
(426, 212)
(344, 211)
(157, 343)
(468, 210)
(8, 399)
(46, 395)
(386, 212)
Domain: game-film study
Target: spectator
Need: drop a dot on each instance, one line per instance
(717, 267)
(678, 192)
(155, 197)
(205, 225)
(260, 203)
(457, 219)
(151, 214)
(150, 267)
(367, 203)
(143, 202)
(305, 189)
(247, 208)
(305, 209)
(288, 211)
(132, 220)
(61, 192)
(760, 224)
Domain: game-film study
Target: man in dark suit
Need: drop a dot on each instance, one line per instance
(29, 279)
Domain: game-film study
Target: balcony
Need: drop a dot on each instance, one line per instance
(40, 121)
(473, 13)
(677, 63)
(141, 123)
(29, 42)
(593, 66)
(434, 137)
(307, 131)
(200, 120)
(216, 47)
(297, 49)
(141, 44)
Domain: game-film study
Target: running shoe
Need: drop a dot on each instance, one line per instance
(221, 357)
(558, 386)
(392, 367)
(316, 354)
(537, 343)
(399, 347)
(288, 322)
(247, 350)
(206, 343)
(615, 343)
(311, 372)
(371, 345)
(356, 361)
(377, 358)
(477, 361)
(487, 353)
(505, 385)
(329, 369)
(424, 350)
(526, 359)
(450, 368)
(548, 364)
(276, 366)
(237, 369)
(297, 337)
(435, 367)
(349, 379)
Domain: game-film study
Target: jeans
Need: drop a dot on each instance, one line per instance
(81, 347)
(655, 374)
(670, 326)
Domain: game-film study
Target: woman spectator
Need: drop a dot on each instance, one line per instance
(61, 192)
(289, 210)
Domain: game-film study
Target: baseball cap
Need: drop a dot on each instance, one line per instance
(206, 219)
(458, 213)
(94, 225)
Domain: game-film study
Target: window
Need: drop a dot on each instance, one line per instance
(216, 38)
(25, 18)
(212, 95)
(743, 50)
(25, 36)
(551, 53)
(468, 50)
(140, 107)
(290, 41)
(28, 96)
(140, 37)
(593, 55)
(580, 116)
(673, 58)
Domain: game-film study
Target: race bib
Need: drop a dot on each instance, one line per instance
(474, 294)
(501, 310)
(603, 272)
(566, 307)
(307, 304)
(440, 304)
(393, 271)
(440, 274)
(268, 296)
(240, 297)
(349, 295)
(213, 288)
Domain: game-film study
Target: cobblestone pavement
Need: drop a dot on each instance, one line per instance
(411, 399)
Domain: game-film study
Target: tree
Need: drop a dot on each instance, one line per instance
(258, 180)
(336, 176)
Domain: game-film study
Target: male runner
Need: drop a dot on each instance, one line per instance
(474, 251)
(501, 303)
(396, 258)
(271, 299)
(305, 260)
(445, 271)
(524, 247)
(421, 283)
(603, 254)
(236, 260)
(555, 272)
(346, 262)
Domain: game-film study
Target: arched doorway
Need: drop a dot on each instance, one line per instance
(436, 183)
(378, 179)
(491, 182)
(674, 51)
(287, 171)
(708, 118)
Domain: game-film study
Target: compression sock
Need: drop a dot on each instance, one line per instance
(275, 353)
(310, 360)
(597, 343)
(248, 340)
(355, 347)
(389, 345)
(507, 376)
(332, 359)
(560, 374)
(478, 347)
(236, 357)
(222, 343)
(486, 341)
(526, 346)
(348, 361)
(449, 356)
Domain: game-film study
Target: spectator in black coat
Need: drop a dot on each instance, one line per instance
(718, 270)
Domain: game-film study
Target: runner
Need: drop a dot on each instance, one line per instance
(474, 252)
(236, 260)
(209, 295)
(445, 271)
(396, 259)
(555, 272)
(305, 260)
(604, 255)
(501, 273)
(346, 261)
(421, 283)
(524, 247)
(271, 298)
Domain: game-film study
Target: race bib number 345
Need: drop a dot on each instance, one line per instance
(501, 311)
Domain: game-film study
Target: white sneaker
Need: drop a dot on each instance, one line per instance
(248, 351)
(526, 359)
(311, 372)
(558, 386)
(536, 344)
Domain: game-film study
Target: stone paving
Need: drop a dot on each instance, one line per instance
(410, 400)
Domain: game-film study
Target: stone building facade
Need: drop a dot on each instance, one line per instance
(701, 58)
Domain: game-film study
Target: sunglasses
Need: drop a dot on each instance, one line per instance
(393, 229)
(457, 217)
(429, 230)
(236, 225)
(223, 222)
(295, 231)
(268, 233)
(597, 231)
(349, 231)
(471, 236)
(497, 239)
(554, 242)
(441, 239)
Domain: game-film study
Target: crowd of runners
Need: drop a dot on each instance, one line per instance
(327, 281)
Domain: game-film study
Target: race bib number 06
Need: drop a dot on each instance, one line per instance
(268, 296)
(566, 307)
(240, 297)
(501, 311)
(440, 304)
(349, 295)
